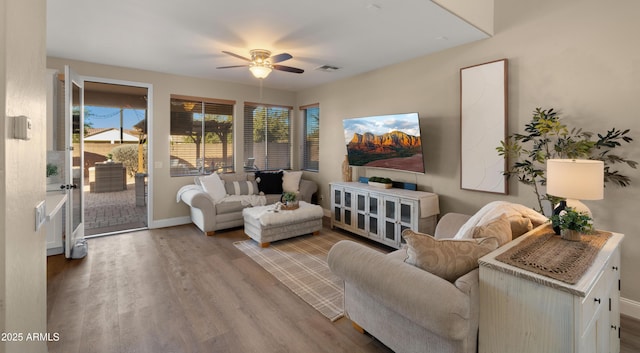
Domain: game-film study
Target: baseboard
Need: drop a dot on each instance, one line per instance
(630, 308)
(169, 222)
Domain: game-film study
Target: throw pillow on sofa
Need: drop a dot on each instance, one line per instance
(515, 212)
(446, 258)
(269, 182)
(241, 187)
(213, 185)
(291, 181)
(499, 228)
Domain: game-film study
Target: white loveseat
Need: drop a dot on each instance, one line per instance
(210, 214)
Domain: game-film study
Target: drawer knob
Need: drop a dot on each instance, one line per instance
(597, 300)
(615, 268)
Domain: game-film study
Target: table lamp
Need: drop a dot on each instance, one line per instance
(574, 180)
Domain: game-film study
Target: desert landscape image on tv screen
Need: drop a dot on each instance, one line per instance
(385, 141)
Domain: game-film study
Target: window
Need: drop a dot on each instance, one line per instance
(201, 139)
(311, 138)
(267, 136)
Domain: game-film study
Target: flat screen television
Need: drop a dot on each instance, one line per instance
(385, 141)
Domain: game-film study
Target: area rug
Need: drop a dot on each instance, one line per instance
(300, 263)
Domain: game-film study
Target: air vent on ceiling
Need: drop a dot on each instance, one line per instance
(327, 68)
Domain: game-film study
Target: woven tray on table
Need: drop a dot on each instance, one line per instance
(547, 254)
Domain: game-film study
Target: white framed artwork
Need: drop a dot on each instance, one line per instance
(483, 124)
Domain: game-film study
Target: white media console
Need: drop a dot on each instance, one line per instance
(382, 214)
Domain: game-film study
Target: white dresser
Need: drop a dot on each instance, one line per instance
(522, 312)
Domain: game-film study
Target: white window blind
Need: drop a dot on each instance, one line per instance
(311, 138)
(267, 136)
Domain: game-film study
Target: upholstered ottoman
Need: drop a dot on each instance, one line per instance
(265, 224)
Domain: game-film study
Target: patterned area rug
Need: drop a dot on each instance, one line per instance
(300, 263)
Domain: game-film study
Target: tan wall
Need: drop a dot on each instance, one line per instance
(580, 57)
(22, 177)
(164, 187)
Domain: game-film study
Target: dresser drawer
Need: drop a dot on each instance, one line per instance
(598, 297)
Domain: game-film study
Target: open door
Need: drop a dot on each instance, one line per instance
(74, 171)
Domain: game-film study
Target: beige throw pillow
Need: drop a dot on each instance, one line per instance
(499, 228)
(446, 258)
(519, 225)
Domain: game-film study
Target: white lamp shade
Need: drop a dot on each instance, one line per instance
(577, 179)
(260, 71)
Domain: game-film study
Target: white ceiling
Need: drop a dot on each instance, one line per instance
(187, 37)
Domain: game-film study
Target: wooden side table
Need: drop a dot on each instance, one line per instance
(521, 311)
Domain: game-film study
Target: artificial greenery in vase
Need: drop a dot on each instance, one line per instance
(381, 180)
(572, 223)
(288, 197)
(546, 137)
(52, 170)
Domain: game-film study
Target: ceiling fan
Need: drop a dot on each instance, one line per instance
(261, 62)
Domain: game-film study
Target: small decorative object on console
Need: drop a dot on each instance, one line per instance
(380, 182)
(572, 224)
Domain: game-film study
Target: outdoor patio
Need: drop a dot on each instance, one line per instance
(108, 212)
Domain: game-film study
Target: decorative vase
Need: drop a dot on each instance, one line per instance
(571, 235)
(346, 169)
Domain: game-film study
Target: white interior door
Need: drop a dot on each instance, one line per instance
(74, 171)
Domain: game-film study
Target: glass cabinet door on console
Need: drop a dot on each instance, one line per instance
(367, 214)
(398, 216)
(342, 213)
(373, 216)
(407, 217)
(337, 198)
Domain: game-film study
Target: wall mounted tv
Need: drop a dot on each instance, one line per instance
(385, 141)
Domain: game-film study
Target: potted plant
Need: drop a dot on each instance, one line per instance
(572, 223)
(289, 200)
(52, 170)
(380, 182)
(546, 137)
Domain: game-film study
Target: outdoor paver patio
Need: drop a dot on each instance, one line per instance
(108, 212)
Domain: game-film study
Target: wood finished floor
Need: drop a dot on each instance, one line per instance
(174, 290)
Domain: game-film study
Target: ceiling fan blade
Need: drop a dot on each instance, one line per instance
(230, 67)
(280, 58)
(295, 70)
(236, 55)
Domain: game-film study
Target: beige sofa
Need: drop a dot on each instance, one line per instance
(406, 308)
(410, 309)
(210, 216)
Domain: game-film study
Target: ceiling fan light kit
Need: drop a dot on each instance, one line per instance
(261, 63)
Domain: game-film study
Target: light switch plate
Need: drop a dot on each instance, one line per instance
(41, 214)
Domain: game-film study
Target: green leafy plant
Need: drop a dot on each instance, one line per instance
(128, 155)
(571, 219)
(546, 137)
(52, 170)
(289, 197)
(382, 180)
